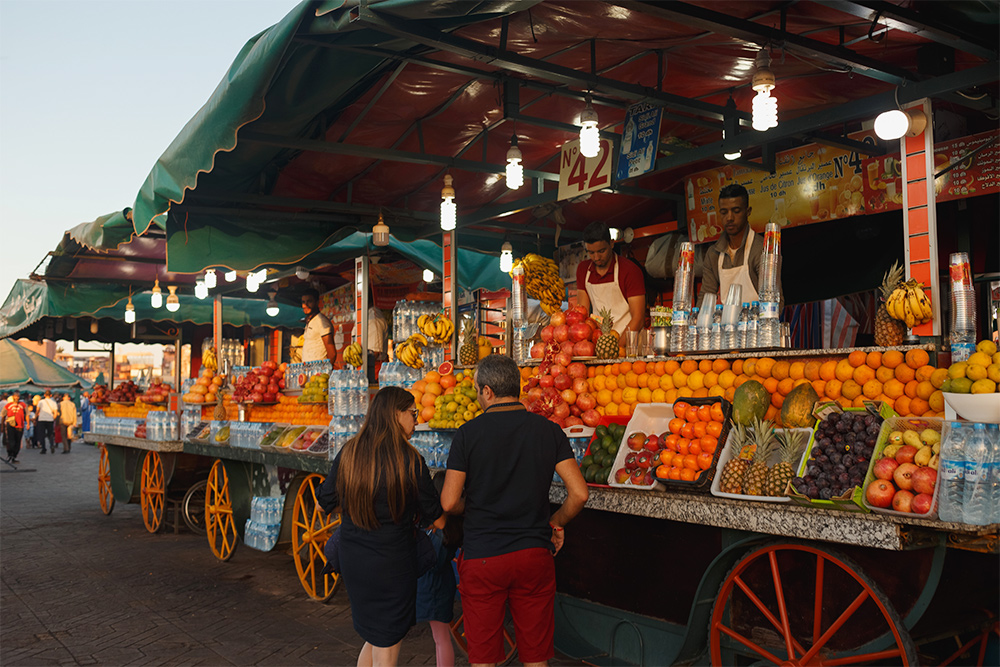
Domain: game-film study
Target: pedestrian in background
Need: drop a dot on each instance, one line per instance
(383, 489)
(503, 461)
(45, 421)
(67, 422)
(86, 408)
(13, 416)
(436, 588)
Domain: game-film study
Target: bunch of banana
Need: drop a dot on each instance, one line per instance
(909, 304)
(436, 326)
(353, 356)
(409, 351)
(209, 361)
(542, 281)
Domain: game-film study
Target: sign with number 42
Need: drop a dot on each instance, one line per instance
(578, 174)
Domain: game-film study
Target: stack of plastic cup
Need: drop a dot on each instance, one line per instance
(963, 308)
(769, 331)
(683, 297)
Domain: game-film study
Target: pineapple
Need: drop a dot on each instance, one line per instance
(607, 344)
(888, 330)
(468, 352)
(756, 477)
(731, 477)
(783, 471)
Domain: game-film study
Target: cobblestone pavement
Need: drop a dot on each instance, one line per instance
(79, 587)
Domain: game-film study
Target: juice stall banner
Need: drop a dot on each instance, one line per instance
(817, 183)
(639, 140)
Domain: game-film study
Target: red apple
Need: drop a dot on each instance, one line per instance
(652, 443)
(584, 348)
(630, 461)
(547, 333)
(649, 478)
(902, 501)
(636, 441)
(590, 417)
(879, 493)
(638, 475)
(561, 333)
(921, 503)
(580, 385)
(622, 475)
(562, 382)
(924, 479)
(906, 453)
(568, 395)
(576, 370)
(903, 476)
(557, 318)
(884, 468)
(644, 459)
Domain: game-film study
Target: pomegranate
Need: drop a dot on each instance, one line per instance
(537, 350)
(567, 347)
(573, 421)
(547, 333)
(591, 417)
(585, 348)
(561, 333)
(534, 393)
(580, 309)
(545, 380)
(560, 410)
(586, 401)
(557, 318)
(564, 358)
(562, 382)
(596, 334)
(575, 410)
(574, 316)
(579, 331)
(580, 385)
(576, 370)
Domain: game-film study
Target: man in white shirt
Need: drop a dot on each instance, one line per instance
(317, 341)
(45, 420)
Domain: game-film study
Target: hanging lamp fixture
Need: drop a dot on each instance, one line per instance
(129, 311)
(380, 232)
(200, 289)
(506, 257)
(156, 299)
(231, 276)
(765, 107)
(515, 171)
(590, 136)
(173, 303)
(211, 280)
(272, 305)
(449, 211)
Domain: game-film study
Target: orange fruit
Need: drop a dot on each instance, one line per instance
(845, 402)
(885, 399)
(924, 373)
(689, 366)
(625, 409)
(688, 474)
(718, 391)
(711, 379)
(883, 374)
(671, 441)
(785, 386)
(433, 388)
(904, 373)
(432, 376)
(716, 411)
(427, 413)
(709, 443)
(684, 392)
(679, 378)
(797, 370)
(750, 366)
(777, 399)
(713, 428)
(737, 366)
(892, 358)
(771, 385)
(639, 367)
(427, 400)
(658, 367)
(701, 392)
(611, 409)
(683, 446)
(857, 358)
(828, 370)
(863, 374)
(810, 370)
(850, 390)
(670, 396)
(691, 462)
(730, 394)
(662, 472)
(680, 408)
(917, 358)
(631, 379)
(695, 447)
(936, 401)
(925, 389)
(780, 370)
(598, 383)
(603, 397)
(700, 429)
(726, 379)
(666, 382)
(691, 414)
(419, 386)
(902, 406)
(764, 366)
(696, 380)
(772, 413)
(872, 388)
(625, 366)
(652, 381)
(705, 365)
(845, 371)
(621, 382)
(893, 388)
(938, 377)
(616, 396)
(687, 430)
(630, 395)
(720, 365)
(819, 386)
(670, 367)
(644, 395)
(919, 406)
(859, 401)
(705, 461)
(911, 389)
(658, 396)
(591, 371)
(874, 359)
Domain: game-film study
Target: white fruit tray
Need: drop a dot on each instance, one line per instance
(648, 418)
(726, 456)
(901, 424)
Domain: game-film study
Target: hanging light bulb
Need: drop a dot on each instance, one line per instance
(449, 211)
(93, 326)
(590, 136)
(614, 232)
(231, 276)
(506, 257)
(210, 279)
(252, 282)
(515, 172)
(272, 306)
(200, 290)
(173, 303)
(380, 232)
(428, 276)
(731, 156)
(129, 311)
(156, 299)
(765, 107)
(896, 123)
(301, 274)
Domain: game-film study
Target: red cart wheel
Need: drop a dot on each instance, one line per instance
(794, 604)
(219, 523)
(104, 493)
(311, 528)
(152, 492)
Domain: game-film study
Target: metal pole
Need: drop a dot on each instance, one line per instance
(111, 372)
(361, 308)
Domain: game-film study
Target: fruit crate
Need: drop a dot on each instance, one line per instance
(902, 424)
(653, 418)
(850, 501)
(606, 421)
(273, 435)
(775, 457)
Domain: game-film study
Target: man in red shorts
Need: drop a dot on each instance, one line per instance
(503, 462)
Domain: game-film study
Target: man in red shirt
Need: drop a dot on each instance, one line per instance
(13, 416)
(608, 281)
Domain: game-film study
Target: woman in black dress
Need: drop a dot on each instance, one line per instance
(382, 487)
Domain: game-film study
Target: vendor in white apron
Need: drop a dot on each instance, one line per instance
(735, 258)
(600, 283)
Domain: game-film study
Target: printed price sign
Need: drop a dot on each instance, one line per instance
(639, 141)
(578, 174)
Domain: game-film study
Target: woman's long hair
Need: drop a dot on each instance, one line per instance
(379, 454)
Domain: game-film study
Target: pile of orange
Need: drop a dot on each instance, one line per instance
(286, 411)
(906, 382)
(136, 411)
(689, 449)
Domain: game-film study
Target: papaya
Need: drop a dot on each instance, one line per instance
(750, 402)
(796, 411)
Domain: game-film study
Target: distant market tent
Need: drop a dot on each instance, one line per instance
(24, 370)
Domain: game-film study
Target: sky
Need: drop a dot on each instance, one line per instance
(91, 94)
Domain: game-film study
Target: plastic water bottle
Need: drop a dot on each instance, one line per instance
(716, 343)
(977, 494)
(678, 330)
(963, 345)
(952, 474)
(741, 326)
(752, 324)
(993, 440)
(692, 337)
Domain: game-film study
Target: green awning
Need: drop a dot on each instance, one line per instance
(107, 232)
(24, 370)
(31, 300)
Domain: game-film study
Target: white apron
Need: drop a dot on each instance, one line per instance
(739, 275)
(609, 295)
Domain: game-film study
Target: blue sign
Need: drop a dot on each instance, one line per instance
(639, 140)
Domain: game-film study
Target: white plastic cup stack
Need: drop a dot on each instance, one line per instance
(770, 259)
(963, 296)
(684, 278)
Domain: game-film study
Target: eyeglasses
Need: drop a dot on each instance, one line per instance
(414, 413)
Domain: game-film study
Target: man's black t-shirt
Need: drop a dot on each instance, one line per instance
(508, 455)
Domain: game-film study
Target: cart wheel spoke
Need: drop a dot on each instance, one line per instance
(104, 492)
(311, 528)
(193, 507)
(152, 492)
(756, 614)
(219, 524)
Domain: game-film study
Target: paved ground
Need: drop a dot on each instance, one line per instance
(79, 587)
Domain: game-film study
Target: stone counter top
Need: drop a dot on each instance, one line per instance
(135, 443)
(773, 352)
(879, 531)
